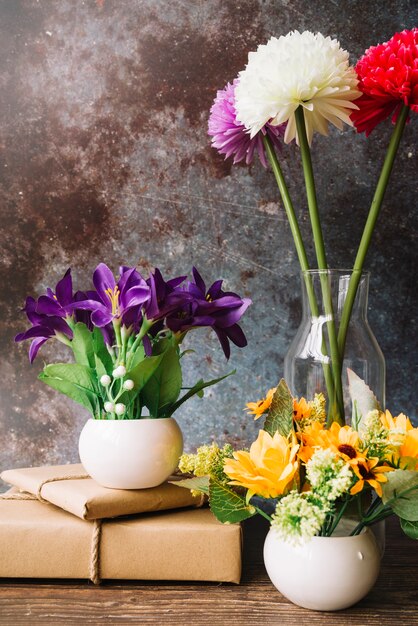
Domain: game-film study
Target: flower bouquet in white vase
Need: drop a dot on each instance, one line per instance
(126, 336)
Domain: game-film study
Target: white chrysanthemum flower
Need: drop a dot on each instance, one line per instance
(299, 69)
(297, 519)
(330, 477)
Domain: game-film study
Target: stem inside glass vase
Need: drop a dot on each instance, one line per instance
(308, 362)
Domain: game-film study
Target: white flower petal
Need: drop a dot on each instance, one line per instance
(300, 69)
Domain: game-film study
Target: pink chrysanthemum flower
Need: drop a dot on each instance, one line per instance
(388, 75)
(230, 137)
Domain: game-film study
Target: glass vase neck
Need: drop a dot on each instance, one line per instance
(338, 281)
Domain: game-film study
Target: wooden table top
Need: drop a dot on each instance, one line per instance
(392, 602)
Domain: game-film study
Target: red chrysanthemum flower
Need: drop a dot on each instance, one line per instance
(388, 78)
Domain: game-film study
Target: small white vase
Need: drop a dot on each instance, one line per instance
(326, 573)
(130, 454)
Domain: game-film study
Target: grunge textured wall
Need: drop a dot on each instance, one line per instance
(104, 156)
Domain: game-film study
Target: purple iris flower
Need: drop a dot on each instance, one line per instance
(58, 302)
(230, 137)
(215, 308)
(166, 297)
(116, 300)
(44, 327)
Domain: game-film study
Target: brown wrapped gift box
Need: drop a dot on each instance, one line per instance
(41, 541)
(88, 500)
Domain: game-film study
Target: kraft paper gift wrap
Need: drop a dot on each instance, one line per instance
(39, 540)
(88, 500)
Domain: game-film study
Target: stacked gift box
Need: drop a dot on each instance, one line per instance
(55, 522)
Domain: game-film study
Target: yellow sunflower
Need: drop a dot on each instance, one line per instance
(401, 422)
(404, 439)
(345, 442)
(367, 472)
(268, 468)
(262, 406)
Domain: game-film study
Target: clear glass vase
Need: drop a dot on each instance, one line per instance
(308, 364)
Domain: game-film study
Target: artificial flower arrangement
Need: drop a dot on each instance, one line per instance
(293, 87)
(126, 338)
(305, 477)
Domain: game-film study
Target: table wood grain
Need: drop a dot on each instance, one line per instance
(392, 602)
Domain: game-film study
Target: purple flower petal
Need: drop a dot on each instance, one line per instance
(215, 290)
(200, 283)
(146, 342)
(231, 317)
(30, 310)
(135, 296)
(223, 339)
(34, 347)
(230, 137)
(236, 335)
(129, 277)
(49, 306)
(104, 281)
(64, 289)
(101, 317)
(35, 331)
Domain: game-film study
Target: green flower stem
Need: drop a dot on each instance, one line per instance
(338, 517)
(125, 339)
(370, 224)
(335, 396)
(378, 511)
(298, 241)
(118, 337)
(369, 521)
(310, 189)
(287, 202)
(63, 339)
(263, 514)
(146, 325)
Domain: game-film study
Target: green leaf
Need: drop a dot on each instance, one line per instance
(197, 483)
(410, 528)
(227, 505)
(362, 397)
(101, 351)
(100, 368)
(280, 415)
(189, 351)
(163, 388)
(143, 371)
(83, 396)
(400, 492)
(82, 345)
(137, 357)
(80, 375)
(198, 388)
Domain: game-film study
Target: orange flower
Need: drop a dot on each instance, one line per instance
(367, 472)
(311, 438)
(345, 442)
(262, 406)
(301, 409)
(268, 468)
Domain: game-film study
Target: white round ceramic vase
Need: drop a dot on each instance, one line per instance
(130, 454)
(326, 573)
